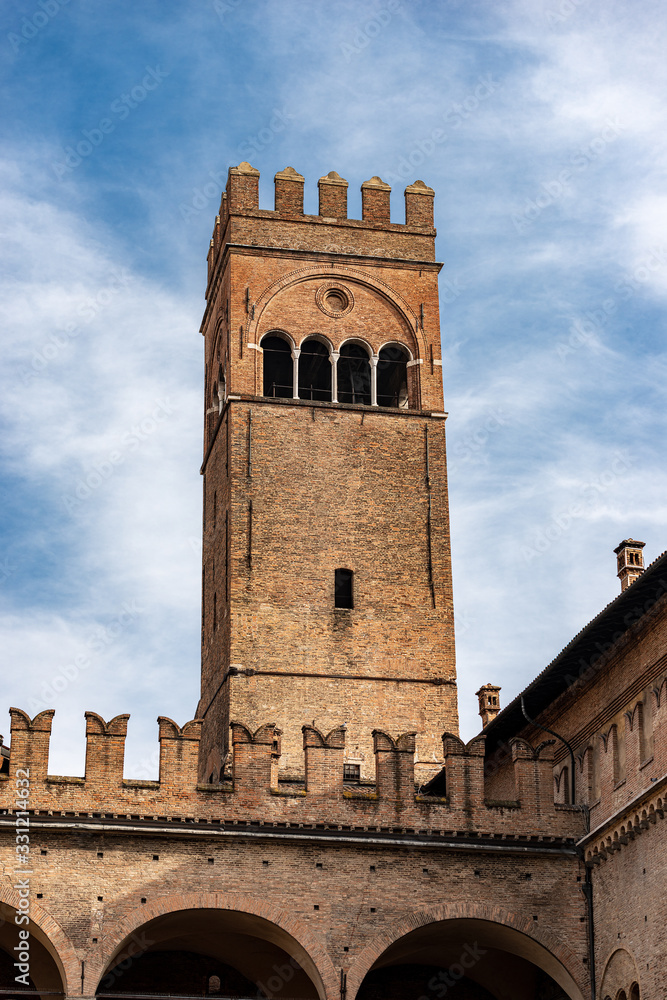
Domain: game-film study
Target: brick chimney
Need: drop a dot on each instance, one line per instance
(489, 703)
(629, 561)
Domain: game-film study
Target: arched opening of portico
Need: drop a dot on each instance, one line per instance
(210, 952)
(37, 972)
(467, 959)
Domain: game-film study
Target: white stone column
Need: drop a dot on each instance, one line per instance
(296, 351)
(333, 358)
(374, 380)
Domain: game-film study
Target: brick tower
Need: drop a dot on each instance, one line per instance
(327, 590)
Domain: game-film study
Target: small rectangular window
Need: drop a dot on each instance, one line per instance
(351, 772)
(343, 588)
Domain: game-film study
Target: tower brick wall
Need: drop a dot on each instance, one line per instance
(298, 487)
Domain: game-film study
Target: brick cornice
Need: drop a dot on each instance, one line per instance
(627, 823)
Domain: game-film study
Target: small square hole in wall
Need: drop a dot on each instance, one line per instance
(94, 940)
(143, 899)
(477, 872)
(534, 917)
(100, 898)
(346, 948)
(40, 895)
(211, 861)
(265, 864)
(156, 857)
(43, 852)
(425, 871)
(373, 910)
(100, 854)
(316, 907)
(581, 919)
(318, 864)
(372, 868)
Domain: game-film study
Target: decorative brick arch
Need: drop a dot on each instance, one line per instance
(342, 272)
(325, 979)
(467, 911)
(56, 942)
(620, 972)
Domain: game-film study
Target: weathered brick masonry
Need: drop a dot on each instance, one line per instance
(296, 487)
(319, 830)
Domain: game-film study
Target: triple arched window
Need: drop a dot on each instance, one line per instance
(352, 375)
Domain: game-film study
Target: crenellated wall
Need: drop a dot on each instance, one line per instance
(256, 793)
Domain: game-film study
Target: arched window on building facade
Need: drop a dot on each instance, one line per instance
(278, 367)
(392, 376)
(314, 372)
(354, 375)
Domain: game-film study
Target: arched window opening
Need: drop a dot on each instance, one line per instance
(221, 389)
(615, 752)
(393, 377)
(641, 726)
(214, 984)
(564, 787)
(634, 992)
(343, 594)
(278, 367)
(354, 375)
(314, 372)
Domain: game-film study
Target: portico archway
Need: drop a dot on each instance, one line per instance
(487, 955)
(214, 945)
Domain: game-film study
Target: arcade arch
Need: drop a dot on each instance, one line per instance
(47, 974)
(482, 954)
(187, 944)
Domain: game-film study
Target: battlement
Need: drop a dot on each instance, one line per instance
(240, 200)
(241, 197)
(459, 798)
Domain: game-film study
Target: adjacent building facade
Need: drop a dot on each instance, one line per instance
(319, 830)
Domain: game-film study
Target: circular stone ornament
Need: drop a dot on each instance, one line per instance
(335, 300)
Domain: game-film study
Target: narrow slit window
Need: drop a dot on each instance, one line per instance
(278, 367)
(343, 588)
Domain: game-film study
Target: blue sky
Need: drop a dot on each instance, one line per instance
(540, 124)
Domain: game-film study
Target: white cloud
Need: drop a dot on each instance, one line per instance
(101, 409)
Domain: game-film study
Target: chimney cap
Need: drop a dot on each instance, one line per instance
(630, 543)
